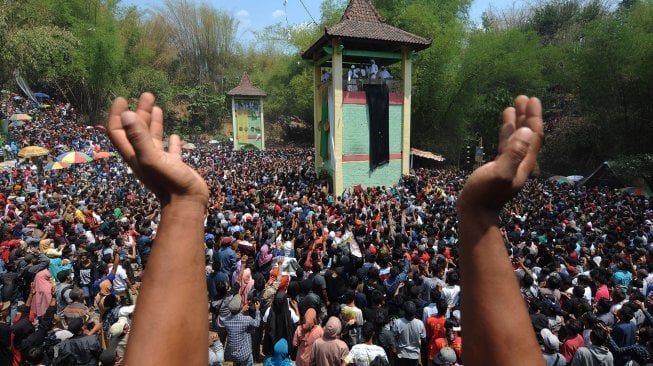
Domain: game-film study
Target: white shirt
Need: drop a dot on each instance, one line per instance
(119, 283)
(374, 69)
(293, 316)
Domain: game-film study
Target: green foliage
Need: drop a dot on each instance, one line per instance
(634, 166)
(206, 108)
(41, 52)
(591, 65)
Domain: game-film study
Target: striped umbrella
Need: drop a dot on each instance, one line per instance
(20, 117)
(102, 155)
(74, 157)
(29, 151)
(56, 165)
(559, 179)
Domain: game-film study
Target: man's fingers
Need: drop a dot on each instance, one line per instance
(145, 107)
(139, 136)
(521, 103)
(115, 130)
(534, 116)
(156, 127)
(509, 163)
(507, 128)
(174, 145)
(534, 122)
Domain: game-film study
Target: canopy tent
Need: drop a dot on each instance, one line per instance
(426, 155)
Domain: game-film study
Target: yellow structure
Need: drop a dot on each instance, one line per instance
(247, 114)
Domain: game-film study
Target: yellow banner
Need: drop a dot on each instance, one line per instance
(242, 119)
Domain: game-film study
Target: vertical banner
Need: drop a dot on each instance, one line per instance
(242, 119)
(378, 105)
(324, 124)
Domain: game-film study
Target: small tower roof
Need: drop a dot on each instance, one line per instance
(246, 88)
(362, 25)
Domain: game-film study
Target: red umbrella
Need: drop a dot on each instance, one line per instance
(101, 128)
(102, 155)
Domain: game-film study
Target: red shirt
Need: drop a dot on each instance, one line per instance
(602, 293)
(434, 331)
(570, 345)
(457, 346)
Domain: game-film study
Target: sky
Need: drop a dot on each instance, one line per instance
(254, 15)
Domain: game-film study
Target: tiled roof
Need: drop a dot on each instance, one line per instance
(361, 21)
(246, 88)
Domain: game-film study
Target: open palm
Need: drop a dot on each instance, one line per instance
(138, 137)
(493, 184)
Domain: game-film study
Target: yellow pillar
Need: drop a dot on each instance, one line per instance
(262, 123)
(233, 120)
(317, 114)
(336, 68)
(406, 69)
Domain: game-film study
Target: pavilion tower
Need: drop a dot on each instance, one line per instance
(362, 114)
(247, 114)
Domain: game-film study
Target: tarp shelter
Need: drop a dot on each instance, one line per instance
(604, 175)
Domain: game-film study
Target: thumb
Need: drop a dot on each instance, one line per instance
(513, 153)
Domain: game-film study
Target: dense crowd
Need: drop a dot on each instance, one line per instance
(294, 273)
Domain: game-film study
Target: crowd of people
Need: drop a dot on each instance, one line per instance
(297, 274)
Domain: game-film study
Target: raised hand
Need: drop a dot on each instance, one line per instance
(138, 137)
(496, 182)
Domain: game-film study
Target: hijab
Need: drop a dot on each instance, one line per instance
(280, 356)
(246, 283)
(43, 296)
(332, 329)
(310, 321)
(264, 257)
(279, 324)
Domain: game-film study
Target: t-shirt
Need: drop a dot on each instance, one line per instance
(435, 330)
(120, 283)
(363, 354)
(409, 334)
(569, 347)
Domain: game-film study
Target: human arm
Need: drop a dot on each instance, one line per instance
(116, 262)
(183, 195)
(491, 290)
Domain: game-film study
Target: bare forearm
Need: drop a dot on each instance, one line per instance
(174, 277)
(490, 297)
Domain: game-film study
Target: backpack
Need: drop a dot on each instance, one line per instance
(61, 298)
(63, 357)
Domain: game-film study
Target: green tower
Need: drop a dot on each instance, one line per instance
(361, 111)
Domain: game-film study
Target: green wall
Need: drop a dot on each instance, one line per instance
(356, 133)
(358, 172)
(356, 140)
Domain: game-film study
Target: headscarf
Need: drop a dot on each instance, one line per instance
(105, 287)
(332, 329)
(43, 296)
(246, 283)
(263, 256)
(305, 337)
(310, 321)
(279, 324)
(280, 356)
